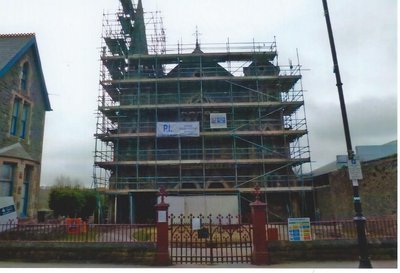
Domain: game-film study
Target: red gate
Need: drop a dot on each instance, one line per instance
(209, 240)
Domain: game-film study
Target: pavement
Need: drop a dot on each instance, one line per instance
(308, 264)
(383, 264)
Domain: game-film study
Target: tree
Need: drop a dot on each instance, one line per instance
(65, 181)
(90, 203)
(72, 201)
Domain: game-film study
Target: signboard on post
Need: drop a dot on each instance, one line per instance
(178, 129)
(196, 224)
(162, 216)
(299, 229)
(354, 167)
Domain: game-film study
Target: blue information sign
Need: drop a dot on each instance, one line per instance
(7, 210)
(299, 229)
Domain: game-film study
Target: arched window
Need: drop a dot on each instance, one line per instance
(24, 76)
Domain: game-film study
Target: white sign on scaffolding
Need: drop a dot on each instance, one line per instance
(178, 129)
(218, 120)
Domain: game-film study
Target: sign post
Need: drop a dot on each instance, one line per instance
(359, 219)
(354, 167)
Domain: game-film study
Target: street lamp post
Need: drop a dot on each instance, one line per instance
(359, 219)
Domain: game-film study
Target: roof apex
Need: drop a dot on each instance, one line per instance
(14, 35)
(12, 48)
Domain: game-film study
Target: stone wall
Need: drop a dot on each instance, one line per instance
(282, 251)
(136, 254)
(145, 253)
(378, 191)
(9, 89)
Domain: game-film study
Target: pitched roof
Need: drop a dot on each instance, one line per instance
(364, 153)
(12, 48)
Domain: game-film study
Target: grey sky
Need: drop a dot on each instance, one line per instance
(68, 35)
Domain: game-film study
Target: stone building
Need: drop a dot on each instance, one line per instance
(378, 188)
(23, 103)
(208, 122)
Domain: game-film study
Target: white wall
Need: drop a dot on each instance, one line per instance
(205, 205)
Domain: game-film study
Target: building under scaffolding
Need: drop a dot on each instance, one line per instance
(201, 119)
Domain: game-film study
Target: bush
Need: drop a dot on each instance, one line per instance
(72, 202)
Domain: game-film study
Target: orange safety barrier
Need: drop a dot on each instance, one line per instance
(73, 225)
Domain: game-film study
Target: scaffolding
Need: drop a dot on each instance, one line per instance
(259, 139)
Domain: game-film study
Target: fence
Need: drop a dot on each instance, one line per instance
(78, 233)
(217, 239)
(376, 228)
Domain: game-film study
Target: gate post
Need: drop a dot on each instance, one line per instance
(260, 250)
(162, 256)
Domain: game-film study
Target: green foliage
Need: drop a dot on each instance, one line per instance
(89, 205)
(72, 201)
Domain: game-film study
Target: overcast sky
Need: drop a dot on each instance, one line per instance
(68, 35)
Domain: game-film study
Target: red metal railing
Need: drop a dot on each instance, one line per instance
(376, 228)
(78, 233)
(219, 240)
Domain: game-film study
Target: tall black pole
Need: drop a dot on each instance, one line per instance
(359, 219)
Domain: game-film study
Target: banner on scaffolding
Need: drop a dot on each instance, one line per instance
(218, 120)
(178, 129)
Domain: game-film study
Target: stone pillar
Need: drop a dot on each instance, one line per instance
(258, 213)
(162, 257)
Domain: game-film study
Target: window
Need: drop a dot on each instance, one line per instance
(6, 179)
(24, 120)
(20, 118)
(25, 191)
(24, 77)
(15, 117)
